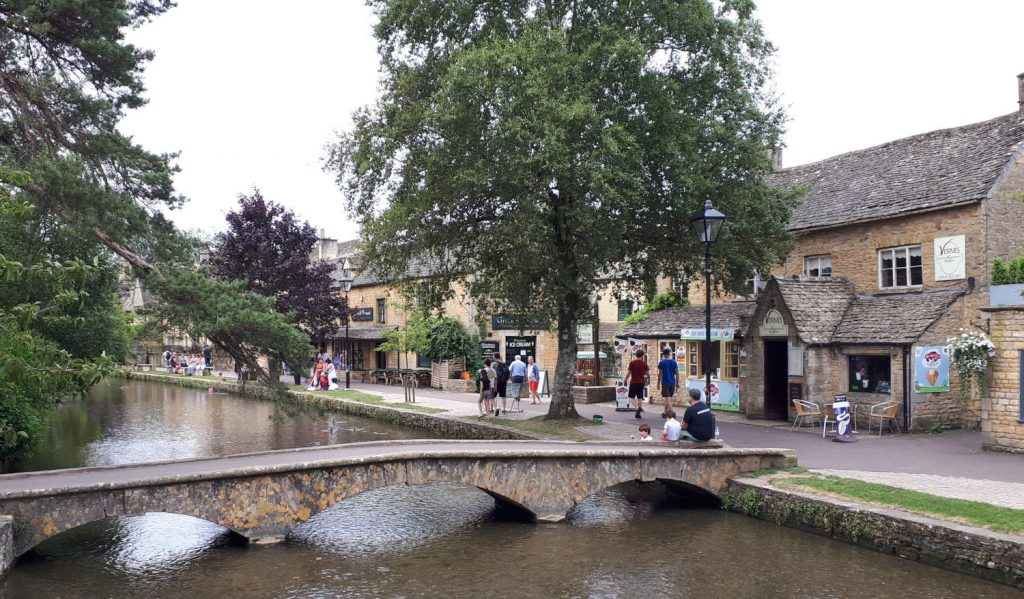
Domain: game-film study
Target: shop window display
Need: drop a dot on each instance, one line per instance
(870, 374)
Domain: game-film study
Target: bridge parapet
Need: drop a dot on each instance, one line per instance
(267, 494)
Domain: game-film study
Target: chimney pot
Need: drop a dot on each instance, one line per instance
(1020, 96)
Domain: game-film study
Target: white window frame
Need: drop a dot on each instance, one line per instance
(895, 249)
(681, 284)
(757, 285)
(816, 261)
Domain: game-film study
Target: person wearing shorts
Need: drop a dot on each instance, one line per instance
(667, 374)
(533, 379)
(636, 379)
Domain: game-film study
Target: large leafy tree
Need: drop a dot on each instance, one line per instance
(270, 251)
(545, 144)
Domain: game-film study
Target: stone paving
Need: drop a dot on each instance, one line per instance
(999, 493)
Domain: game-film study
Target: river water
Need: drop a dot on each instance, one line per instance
(436, 540)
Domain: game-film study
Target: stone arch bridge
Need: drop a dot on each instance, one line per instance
(266, 494)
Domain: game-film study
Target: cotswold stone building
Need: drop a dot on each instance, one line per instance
(894, 255)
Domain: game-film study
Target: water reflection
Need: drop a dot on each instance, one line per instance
(121, 423)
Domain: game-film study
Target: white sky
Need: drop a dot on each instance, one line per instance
(250, 91)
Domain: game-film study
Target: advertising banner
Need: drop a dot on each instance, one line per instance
(931, 369)
(725, 395)
(717, 334)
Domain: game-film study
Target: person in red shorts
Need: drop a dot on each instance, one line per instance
(636, 378)
(533, 379)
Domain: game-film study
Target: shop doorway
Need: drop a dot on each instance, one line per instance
(776, 375)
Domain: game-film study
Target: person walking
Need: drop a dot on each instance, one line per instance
(487, 381)
(698, 420)
(636, 379)
(533, 379)
(517, 373)
(667, 374)
(208, 356)
(501, 389)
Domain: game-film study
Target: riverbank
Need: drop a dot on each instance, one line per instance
(950, 545)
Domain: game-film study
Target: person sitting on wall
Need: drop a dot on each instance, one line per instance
(698, 420)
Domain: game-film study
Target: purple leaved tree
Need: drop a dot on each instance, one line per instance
(266, 247)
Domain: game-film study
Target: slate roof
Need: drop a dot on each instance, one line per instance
(896, 319)
(932, 170)
(666, 324)
(816, 303)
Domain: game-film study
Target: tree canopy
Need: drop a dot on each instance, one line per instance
(552, 145)
(269, 250)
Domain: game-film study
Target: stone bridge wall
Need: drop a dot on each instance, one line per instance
(259, 502)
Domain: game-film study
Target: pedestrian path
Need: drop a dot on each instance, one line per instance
(993, 492)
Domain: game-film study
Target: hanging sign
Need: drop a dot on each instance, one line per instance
(774, 325)
(585, 334)
(931, 369)
(950, 258)
(506, 322)
(716, 334)
(620, 345)
(362, 314)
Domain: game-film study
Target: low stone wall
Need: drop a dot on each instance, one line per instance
(585, 395)
(443, 425)
(458, 386)
(965, 549)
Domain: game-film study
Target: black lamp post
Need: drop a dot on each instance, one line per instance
(346, 284)
(706, 224)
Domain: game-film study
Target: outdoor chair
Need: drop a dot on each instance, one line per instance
(884, 413)
(806, 411)
(828, 416)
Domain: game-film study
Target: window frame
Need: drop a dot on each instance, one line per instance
(851, 358)
(619, 314)
(817, 258)
(381, 311)
(908, 268)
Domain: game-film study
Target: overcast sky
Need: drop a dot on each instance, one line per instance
(250, 91)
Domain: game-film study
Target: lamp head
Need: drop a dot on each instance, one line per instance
(707, 223)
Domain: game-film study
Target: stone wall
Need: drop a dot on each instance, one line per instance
(588, 395)
(6, 543)
(1001, 425)
(950, 409)
(969, 550)
(1005, 216)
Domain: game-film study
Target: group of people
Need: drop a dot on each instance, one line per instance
(190, 364)
(494, 378)
(324, 372)
(698, 420)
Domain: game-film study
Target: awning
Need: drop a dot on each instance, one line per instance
(364, 333)
(589, 355)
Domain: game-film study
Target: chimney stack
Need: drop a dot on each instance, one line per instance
(1020, 96)
(775, 152)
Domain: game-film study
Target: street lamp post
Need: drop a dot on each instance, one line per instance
(346, 284)
(706, 224)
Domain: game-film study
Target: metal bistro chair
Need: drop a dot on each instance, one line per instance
(828, 415)
(884, 413)
(808, 411)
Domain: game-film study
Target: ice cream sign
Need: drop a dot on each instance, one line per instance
(950, 256)
(931, 369)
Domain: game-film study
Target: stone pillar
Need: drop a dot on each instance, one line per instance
(6, 543)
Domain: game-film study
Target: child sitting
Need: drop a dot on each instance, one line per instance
(645, 432)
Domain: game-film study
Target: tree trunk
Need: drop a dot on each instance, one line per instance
(562, 405)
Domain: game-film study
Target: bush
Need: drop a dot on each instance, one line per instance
(1008, 273)
(665, 299)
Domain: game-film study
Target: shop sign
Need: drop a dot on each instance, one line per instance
(520, 346)
(488, 348)
(506, 322)
(701, 334)
(585, 334)
(362, 315)
(774, 325)
(725, 395)
(950, 258)
(931, 369)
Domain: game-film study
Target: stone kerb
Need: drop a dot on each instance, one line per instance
(268, 501)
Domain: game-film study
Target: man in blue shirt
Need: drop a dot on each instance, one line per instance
(667, 370)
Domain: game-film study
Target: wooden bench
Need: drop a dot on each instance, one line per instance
(144, 367)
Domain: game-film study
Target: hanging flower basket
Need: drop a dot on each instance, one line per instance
(969, 353)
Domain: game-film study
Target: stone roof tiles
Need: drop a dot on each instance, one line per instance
(817, 304)
(897, 319)
(666, 324)
(932, 170)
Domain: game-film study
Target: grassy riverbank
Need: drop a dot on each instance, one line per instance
(958, 510)
(370, 399)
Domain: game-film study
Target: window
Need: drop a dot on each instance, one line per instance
(870, 374)
(422, 361)
(818, 266)
(753, 285)
(693, 359)
(725, 360)
(625, 309)
(681, 284)
(731, 361)
(900, 267)
(381, 316)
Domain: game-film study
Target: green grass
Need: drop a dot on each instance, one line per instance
(972, 512)
(770, 471)
(562, 429)
(376, 400)
(185, 376)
